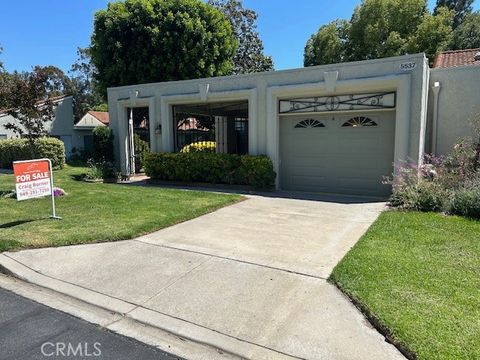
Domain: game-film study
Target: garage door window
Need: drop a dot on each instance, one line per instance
(309, 123)
(359, 121)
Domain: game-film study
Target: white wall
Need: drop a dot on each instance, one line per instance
(458, 104)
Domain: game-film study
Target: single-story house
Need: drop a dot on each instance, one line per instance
(336, 128)
(60, 127)
(75, 136)
(84, 127)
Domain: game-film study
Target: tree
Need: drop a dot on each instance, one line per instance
(4, 84)
(103, 144)
(141, 41)
(82, 85)
(30, 98)
(249, 56)
(381, 28)
(467, 34)
(2, 69)
(328, 45)
(461, 8)
(433, 35)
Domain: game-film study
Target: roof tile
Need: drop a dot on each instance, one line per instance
(454, 58)
(101, 116)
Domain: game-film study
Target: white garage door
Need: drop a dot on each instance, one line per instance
(344, 154)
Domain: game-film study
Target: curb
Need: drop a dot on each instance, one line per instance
(164, 322)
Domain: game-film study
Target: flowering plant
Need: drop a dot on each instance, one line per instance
(58, 192)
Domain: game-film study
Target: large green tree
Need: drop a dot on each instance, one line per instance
(1, 62)
(141, 41)
(83, 86)
(434, 33)
(461, 9)
(467, 34)
(328, 45)
(382, 28)
(249, 56)
(4, 81)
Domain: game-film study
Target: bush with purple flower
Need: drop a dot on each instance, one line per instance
(442, 183)
(58, 192)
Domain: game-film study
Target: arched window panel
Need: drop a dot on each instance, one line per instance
(359, 121)
(309, 123)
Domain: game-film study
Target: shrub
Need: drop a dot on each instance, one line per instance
(421, 188)
(103, 144)
(100, 170)
(256, 171)
(18, 149)
(466, 202)
(141, 147)
(200, 146)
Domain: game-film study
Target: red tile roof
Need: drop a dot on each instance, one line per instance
(101, 116)
(190, 124)
(456, 58)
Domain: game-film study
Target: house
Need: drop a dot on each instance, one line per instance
(60, 127)
(74, 136)
(454, 98)
(84, 127)
(336, 128)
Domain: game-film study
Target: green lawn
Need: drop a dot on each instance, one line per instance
(95, 212)
(418, 274)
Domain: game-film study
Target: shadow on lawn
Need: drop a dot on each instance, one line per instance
(78, 177)
(15, 223)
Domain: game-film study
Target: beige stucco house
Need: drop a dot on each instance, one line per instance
(84, 127)
(74, 136)
(335, 128)
(60, 127)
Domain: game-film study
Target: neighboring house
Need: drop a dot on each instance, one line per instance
(60, 127)
(75, 136)
(335, 128)
(84, 127)
(454, 99)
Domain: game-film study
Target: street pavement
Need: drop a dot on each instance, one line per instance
(29, 330)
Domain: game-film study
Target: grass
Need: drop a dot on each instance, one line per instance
(94, 212)
(418, 276)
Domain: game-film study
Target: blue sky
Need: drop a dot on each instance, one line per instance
(34, 32)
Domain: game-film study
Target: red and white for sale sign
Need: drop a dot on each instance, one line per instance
(32, 179)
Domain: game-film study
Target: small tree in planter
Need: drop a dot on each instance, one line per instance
(102, 165)
(103, 144)
(141, 147)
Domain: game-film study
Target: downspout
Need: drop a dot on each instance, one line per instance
(436, 91)
(131, 144)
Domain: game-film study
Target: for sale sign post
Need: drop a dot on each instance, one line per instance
(33, 179)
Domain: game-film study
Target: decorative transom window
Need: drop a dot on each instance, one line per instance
(359, 121)
(309, 123)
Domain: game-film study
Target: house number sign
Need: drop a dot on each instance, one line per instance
(407, 66)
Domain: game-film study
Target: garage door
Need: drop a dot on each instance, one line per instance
(345, 154)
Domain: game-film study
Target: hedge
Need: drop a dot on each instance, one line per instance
(256, 171)
(19, 149)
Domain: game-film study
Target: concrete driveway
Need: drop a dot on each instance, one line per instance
(248, 279)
